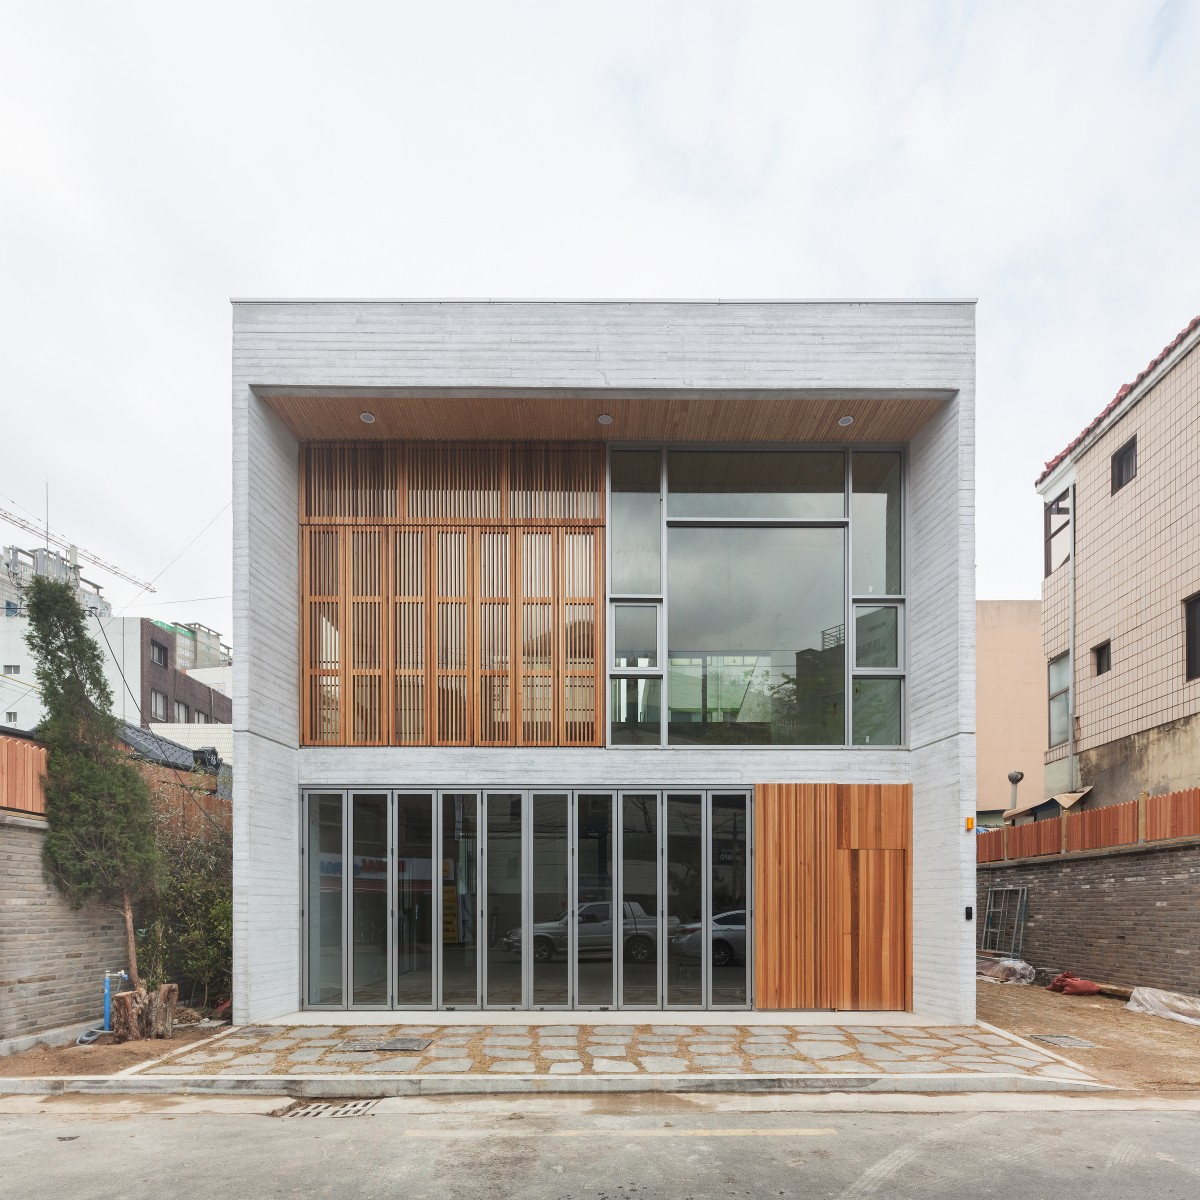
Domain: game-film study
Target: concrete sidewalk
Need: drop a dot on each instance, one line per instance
(464, 1059)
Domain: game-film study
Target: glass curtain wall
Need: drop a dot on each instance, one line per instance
(769, 589)
(416, 897)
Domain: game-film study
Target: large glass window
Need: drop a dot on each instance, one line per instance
(326, 916)
(504, 924)
(756, 635)
(369, 900)
(415, 884)
(754, 483)
(460, 955)
(636, 712)
(1057, 522)
(1060, 699)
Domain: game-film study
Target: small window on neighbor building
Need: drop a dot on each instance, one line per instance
(1102, 655)
(1191, 611)
(158, 705)
(12, 668)
(158, 653)
(1124, 464)
(10, 718)
(201, 718)
(181, 713)
(1058, 531)
(1060, 699)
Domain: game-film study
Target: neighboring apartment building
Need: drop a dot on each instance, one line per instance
(1121, 597)
(598, 655)
(1010, 684)
(141, 656)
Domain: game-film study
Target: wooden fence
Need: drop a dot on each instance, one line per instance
(1146, 819)
(22, 766)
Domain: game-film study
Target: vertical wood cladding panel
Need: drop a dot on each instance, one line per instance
(452, 595)
(833, 909)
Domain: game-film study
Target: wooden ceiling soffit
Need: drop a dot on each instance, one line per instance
(667, 416)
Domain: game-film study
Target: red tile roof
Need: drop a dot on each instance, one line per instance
(1122, 392)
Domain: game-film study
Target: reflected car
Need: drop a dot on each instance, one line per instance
(728, 938)
(595, 934)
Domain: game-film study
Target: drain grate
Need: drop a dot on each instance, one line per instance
(351, 1108)
(1065, 1041)
(404, 1045)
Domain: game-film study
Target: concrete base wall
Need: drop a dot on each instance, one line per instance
(1130, 917)
(52, 957)
(1163, 759)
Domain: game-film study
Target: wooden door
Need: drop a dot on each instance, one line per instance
(833, 896)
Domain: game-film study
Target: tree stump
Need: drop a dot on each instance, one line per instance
(160, 1011)
(127, 1017)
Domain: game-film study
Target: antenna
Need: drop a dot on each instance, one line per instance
(30, 527)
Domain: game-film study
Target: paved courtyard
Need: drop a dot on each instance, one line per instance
(565, 1050)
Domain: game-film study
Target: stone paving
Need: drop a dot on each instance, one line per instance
(616, 1050)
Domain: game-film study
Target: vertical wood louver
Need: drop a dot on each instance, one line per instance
(452, 595)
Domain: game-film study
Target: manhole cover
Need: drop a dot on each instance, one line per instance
(352, 1108)
(1066, 1041)
(403, 1045)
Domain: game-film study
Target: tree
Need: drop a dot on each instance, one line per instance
(100, 843)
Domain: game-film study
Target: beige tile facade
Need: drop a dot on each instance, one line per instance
(1137, 559)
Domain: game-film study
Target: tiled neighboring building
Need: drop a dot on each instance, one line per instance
(1121, 596)
(1010, 728)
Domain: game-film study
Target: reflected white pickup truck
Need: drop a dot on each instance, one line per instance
(595, 938)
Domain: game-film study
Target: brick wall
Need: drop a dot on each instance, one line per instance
(175, 685)
(1127, 917)
(52, 957)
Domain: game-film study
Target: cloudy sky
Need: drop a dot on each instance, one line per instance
(161, 158)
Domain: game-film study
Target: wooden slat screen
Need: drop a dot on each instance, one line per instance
(452, 595)
(833, 906)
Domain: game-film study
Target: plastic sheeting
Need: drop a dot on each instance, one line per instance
(1004, 970)
(1175, 1006)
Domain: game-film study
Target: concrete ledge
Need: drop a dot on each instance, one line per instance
(356, 1087)
(64, 1035)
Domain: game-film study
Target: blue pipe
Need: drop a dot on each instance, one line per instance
(92, 1033)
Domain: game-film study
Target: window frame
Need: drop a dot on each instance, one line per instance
(1052, 696)
(1102, 657)
(851, 599)
(12, 668)
(1125, 455)
(185, 709)
(1191, 638)
(1050, 510)
(155, 696)
(10, 717)
(156, 649)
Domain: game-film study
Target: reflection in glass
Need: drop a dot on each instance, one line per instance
(876, 637)
(875, 519)
(635, 635)
(594, 855)
(755, 636)
(503, 980)
(635, 522)
(756, 483)
(460, 965)
(551, 902)
(415, 878)
(639, 880)
(685, 908)
(877, 712)
(636, 711)
(369, 900)
(728, 900)
(324, 905)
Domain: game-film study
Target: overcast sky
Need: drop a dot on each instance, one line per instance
(160, 158)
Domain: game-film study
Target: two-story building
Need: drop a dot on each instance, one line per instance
(601, 655)
(1121, 595)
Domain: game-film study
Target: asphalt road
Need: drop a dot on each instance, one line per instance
(583, 1150)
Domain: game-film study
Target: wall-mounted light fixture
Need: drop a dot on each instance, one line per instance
(845, 421)
(367, 418)
(604, 419)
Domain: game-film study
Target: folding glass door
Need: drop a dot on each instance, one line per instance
(526, 899)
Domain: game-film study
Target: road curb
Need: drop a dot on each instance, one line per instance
(325, 1087)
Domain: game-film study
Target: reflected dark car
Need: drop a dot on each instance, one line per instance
(728, 938)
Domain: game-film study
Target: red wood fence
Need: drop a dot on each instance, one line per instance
(22, 765)
(1147, 819)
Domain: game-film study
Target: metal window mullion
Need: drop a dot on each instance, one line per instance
(393, 906)
(526, 877)
(664, 690)
(572, 900)
(347, 906)
(849, 642)
(437, 888)
(706, 900)
(662, 899)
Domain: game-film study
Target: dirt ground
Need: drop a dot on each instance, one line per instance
(1135, 1052)
(104, 1057)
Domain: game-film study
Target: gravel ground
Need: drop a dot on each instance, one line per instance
(1134, 1052)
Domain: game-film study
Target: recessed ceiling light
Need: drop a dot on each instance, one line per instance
(844, 421)
(367, 418)
(604, 419)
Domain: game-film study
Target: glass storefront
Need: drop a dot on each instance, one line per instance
(571, 900)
